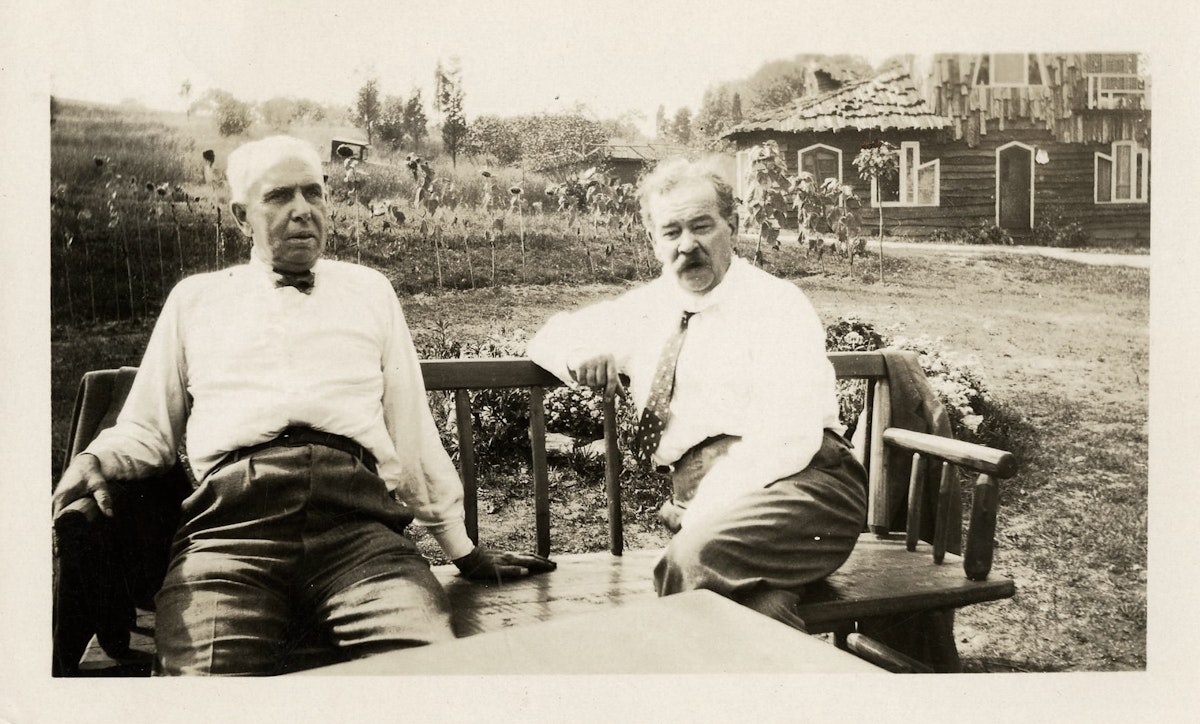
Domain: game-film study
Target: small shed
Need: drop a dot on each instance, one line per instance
(342, 148)
(627, 161)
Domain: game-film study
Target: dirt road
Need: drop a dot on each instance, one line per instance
(1141, 261)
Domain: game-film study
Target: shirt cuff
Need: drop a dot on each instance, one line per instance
(454, 541)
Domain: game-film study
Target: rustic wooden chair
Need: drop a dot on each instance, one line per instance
(891, 603)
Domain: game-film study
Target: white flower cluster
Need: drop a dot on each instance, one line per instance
(952, 376)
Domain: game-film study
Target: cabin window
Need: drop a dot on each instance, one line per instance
(917, 184)
(821, 161)
(1122, 176)
(1009, 69)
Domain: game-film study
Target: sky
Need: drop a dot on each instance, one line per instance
(615, 56)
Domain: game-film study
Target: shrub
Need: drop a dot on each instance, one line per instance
(233, 116)
(986, 232)
(1054, 229)
(962, 390)
(500, 417)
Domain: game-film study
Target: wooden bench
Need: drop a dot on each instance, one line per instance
(896, 589)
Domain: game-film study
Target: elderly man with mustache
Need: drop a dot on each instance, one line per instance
(727, 365)
(309, 434)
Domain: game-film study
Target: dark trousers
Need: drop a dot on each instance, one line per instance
(290, 535)
(790, 533)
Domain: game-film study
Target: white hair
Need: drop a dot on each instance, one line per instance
(250, 160)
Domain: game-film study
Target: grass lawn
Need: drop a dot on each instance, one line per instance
(1064, 344)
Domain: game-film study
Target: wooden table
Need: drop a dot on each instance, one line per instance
(698, 632)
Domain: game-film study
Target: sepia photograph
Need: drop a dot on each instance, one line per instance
(621, 362)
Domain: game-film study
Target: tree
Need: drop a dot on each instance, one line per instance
(735, 108)
(661, 130)
(278, 113)
(625, 126)
(496, 137)
(233, 116)
(185, 92)
(539, 141)
(875, 162)
(681, 125)
(414, 118)
(391, 122)
(448, 100)
(307, 111)
(715, 113)
(368, 108)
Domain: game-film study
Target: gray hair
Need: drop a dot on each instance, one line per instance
(248, 161)
(672, 172)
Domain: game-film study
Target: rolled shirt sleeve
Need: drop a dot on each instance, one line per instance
(429, 482)
(145, 439)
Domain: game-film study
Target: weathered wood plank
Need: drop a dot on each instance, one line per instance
(466, 456)
(985, 500)
(612, 479)
(947, 498)
(881, 577)
(541, 477)
(475, 374)
(977, 458)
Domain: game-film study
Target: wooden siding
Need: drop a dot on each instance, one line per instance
(968, 182)
(1059, 106)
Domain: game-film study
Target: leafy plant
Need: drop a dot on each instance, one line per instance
(827, 208)
(876, 162)
(764, 209)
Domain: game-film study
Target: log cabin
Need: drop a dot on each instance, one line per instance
(1015, 140)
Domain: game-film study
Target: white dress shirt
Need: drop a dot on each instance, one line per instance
(753, 364)
(234, 360)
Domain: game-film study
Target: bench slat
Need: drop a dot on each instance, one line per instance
(466, 457)
(881, 577)
(541, 478)
(477, 374)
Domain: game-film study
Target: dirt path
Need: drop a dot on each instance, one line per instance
(909, 248)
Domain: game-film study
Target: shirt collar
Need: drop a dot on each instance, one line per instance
(260, 265)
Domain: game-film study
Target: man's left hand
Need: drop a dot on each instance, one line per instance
(486, 564)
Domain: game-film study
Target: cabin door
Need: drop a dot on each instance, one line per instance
(1014, 187)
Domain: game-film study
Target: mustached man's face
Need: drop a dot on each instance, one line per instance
(286, 215)
(691, 239)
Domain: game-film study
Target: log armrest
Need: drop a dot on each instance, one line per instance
(989, 464)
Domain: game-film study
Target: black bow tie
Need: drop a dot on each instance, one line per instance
(302, 281)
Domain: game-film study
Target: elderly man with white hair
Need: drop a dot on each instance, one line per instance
(294, 381)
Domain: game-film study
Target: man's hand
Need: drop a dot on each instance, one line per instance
(596, 371)
(83, 477)
(485, 564)
(671, 516)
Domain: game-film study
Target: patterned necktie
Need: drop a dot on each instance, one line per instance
(658, 406)
(302, 281)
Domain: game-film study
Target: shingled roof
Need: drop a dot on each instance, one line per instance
(888, 101)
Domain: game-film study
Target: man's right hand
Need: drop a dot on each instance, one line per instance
(596, 371)
(83, 477)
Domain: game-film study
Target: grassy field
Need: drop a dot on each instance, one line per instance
(1064, 345)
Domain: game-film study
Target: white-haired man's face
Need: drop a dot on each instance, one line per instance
(285, 213)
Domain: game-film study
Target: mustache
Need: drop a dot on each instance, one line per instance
(691, 260)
